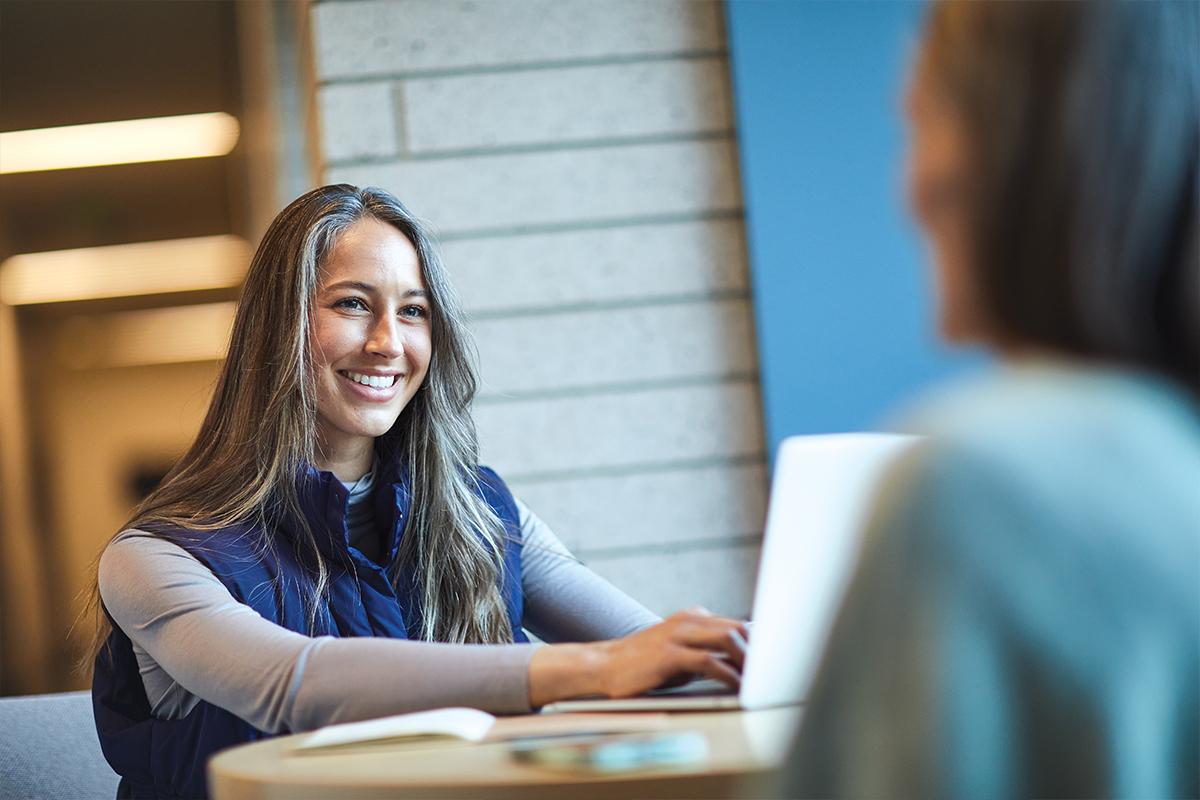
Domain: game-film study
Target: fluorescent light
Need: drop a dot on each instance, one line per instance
(126, 142)
(156, 336)
(124, 270)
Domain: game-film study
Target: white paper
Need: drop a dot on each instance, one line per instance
(468, 724)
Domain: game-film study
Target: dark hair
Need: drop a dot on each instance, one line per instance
(1084, 123)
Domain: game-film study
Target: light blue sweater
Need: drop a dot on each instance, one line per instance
(1025, 621)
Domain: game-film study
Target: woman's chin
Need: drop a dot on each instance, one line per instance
(961, 330)
(347, 430)
(376, 428)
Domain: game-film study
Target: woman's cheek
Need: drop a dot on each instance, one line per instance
(422, 350)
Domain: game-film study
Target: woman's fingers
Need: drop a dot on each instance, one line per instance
(714, 634)
(693, 642)
(702, 615)
(710, 665)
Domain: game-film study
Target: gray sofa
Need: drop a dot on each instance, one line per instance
(49, 749)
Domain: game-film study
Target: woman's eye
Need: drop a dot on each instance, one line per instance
(416, 312)
(352, 303)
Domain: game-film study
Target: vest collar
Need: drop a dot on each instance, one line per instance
(325, 501)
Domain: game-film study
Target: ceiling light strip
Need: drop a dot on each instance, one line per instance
(130, 141)
(124, 270)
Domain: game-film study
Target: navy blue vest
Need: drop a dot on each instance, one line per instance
(167, 758)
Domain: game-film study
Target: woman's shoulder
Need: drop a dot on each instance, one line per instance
(142, 542)
(135, 561)
(503, 502)
(1057, 464)
(488, 475)
(133, 548)
(1089, 443)
(1054, 412)
(149, 552)
(493, 487)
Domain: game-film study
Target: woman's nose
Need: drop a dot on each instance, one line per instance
(386, 339)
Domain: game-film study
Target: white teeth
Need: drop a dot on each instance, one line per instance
(374, 381)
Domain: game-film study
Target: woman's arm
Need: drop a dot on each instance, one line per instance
(194, 632)
(564, 600)
(222, 651)
(567, 602)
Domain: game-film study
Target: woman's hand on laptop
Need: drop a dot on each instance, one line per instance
(687, 643)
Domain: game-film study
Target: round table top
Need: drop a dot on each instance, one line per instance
(743, 747)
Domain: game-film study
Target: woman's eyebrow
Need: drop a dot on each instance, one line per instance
(362, 287)
(370, 288)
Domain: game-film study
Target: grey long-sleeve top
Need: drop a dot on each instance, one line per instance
(194, 641)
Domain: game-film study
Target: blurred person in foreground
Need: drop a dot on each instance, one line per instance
(1025, 620)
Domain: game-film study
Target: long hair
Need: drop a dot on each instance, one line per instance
(1084, 120)
(260, 431)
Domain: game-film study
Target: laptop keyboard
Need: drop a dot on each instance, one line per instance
(701, 687)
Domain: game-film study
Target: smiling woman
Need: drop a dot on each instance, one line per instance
(333, 507)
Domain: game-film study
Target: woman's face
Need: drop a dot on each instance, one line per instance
(939, 195)
(372, 334)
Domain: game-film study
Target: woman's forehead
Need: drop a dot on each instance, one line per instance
(373, 252)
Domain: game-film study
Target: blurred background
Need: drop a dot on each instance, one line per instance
(654, 210)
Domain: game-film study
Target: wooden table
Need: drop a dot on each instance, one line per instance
(745, 748)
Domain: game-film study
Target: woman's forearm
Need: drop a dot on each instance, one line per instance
(561, 671)
(199, 638)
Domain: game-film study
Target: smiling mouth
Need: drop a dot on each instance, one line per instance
(370, 381)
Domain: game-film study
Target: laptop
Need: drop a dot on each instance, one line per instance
(821, 493)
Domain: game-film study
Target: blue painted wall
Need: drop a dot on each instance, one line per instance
(843, 303)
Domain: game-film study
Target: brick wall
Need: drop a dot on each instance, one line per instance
(579, 162)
